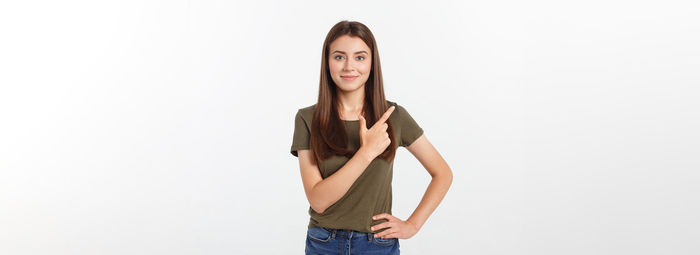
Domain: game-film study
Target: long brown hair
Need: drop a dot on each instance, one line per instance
(328, 135)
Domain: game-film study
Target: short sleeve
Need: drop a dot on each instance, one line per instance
(300, 140)
(410, 130)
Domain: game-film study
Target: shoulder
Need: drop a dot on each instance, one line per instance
(394, 103)
(390, 103)
(398, 111)
(306, 113)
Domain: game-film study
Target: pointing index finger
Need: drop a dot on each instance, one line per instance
(386, 114)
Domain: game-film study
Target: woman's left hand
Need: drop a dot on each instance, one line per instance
(397, 227)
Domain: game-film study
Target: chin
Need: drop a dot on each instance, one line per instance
(349, 87)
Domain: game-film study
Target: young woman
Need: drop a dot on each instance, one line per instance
(346, 144)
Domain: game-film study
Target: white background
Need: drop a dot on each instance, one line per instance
(164, 127)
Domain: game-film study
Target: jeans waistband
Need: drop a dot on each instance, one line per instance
(349, 233)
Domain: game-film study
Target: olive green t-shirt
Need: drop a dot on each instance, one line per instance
(370, 194)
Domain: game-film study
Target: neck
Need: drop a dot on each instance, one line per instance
(351, 101)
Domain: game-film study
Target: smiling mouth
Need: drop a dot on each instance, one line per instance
(348, 77)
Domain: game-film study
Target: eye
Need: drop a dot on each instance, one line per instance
(358, 58)
(338, 56)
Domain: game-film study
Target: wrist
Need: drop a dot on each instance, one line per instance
(409, 221)
(362, 152)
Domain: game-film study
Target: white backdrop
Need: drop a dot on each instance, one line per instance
(164, 127)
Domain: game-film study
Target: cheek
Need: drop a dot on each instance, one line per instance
(366, 68)
(333, 66)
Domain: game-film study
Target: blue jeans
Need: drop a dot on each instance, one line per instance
(347, 242)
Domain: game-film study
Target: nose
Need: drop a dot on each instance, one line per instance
(348, 66)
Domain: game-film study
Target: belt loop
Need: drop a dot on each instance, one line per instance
(333, 234)
(369, 236)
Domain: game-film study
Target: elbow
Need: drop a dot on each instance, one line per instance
(450, 178)
(446, 175)
(315, 201)
(318, 208)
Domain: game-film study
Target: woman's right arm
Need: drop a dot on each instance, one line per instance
(322, 193)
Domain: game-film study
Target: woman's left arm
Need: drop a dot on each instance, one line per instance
(441, 175)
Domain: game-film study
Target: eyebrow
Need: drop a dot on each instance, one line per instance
(344, 52)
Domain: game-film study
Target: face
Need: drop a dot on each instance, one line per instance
(349, 62)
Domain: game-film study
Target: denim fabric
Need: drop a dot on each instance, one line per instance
(323, 241)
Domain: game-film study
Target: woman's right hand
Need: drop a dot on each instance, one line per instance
(375, 139)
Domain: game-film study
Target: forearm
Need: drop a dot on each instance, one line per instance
(431, 199)
(331, 189)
